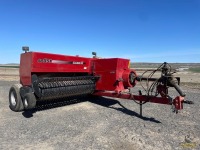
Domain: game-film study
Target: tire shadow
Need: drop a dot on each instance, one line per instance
(45, 105)
(28, 113)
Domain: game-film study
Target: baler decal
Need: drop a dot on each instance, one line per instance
(68, 62)
(46, 60)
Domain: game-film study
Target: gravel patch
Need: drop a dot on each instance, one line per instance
(101, 123)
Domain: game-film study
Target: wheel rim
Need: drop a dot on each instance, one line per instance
(25, 103)
(13, 99)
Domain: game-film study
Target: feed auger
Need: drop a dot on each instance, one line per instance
(45, 76)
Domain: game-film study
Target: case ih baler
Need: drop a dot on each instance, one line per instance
(45, 76)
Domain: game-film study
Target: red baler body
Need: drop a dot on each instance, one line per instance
(109, 70)
(54, 76)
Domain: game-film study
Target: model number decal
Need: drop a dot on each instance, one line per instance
(46, 60)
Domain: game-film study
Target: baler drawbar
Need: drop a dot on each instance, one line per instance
(45, 76)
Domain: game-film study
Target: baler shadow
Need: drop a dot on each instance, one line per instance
(45, 105)
(107, 102)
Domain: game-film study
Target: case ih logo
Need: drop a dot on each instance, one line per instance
(78, 63)
(46, 60)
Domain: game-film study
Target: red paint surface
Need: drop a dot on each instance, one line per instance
(113, 73)
(30, 63)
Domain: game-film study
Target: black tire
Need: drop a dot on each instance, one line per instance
(15, 101)
(29, 101)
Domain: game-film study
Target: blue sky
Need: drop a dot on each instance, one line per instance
(141, 30)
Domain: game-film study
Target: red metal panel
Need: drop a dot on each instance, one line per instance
(44, 62)
(110, 72)
(36, 62)
(25, 68)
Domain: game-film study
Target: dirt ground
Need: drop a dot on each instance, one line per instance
(101, 123)
(9, 74)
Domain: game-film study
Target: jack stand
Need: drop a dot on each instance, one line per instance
(141, 108)
(140, 93)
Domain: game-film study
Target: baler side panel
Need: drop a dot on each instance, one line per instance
(110, 72)
(37, 62)
(44, 62)
(25, 68)
(106, 70)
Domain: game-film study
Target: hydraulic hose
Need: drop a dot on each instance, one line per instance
(177, 87)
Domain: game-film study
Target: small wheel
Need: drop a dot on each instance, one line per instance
(15, 101)
(29, 101)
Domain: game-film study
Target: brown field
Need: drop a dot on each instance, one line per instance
(9, 74)
(188, 79)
